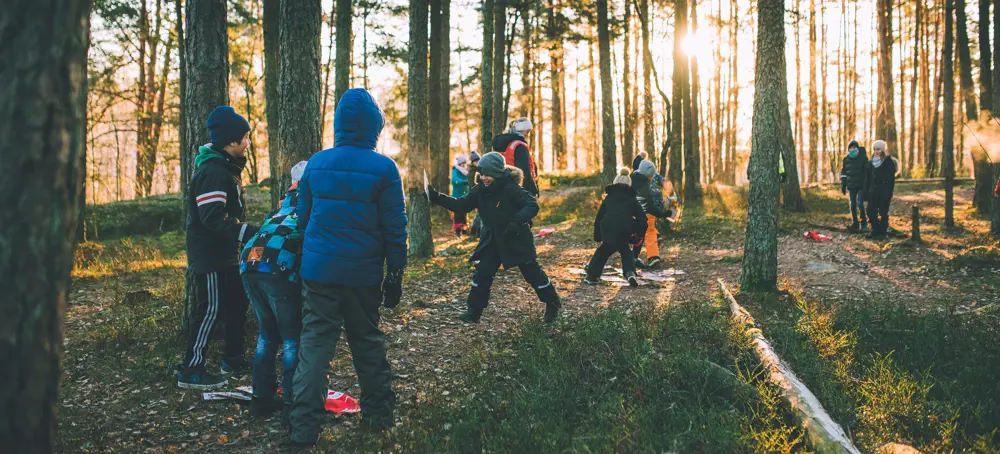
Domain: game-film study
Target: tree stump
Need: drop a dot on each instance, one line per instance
(915, 233)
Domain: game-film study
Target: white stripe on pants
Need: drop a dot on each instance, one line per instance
(212, 289)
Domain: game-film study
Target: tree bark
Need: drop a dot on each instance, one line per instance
(648, 121)
(610, 155)
(628, 132)
(595, 150)
(965, 61)
(486, 79)
(342, 77)
(182, 85)
(948, 135)
(885, 113)
(692, 152)
(557, 80)
(499, 57)
(43, 137)
(985, 58)
(809, 175)
(680, 80)
(418, 157)
(995, 98)
(527, 90)
(272, 9)
(760, 251)
(298, 87)
(911, 148)
(439, 152)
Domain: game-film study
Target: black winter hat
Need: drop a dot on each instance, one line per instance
(225, 126)
(853, 144)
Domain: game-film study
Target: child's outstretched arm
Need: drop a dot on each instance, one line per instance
(463, 204)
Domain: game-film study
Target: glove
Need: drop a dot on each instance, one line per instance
(512, 229)
(843, 189)
(432, 194)
(392, 288)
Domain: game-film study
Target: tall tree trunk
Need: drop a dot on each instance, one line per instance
(327, 69)
(418, 157)
(692, 152)
(734, 88)
(486, 79)
(760, 250)
(985, 58)
(885, 114)
(556, 73)
(995, 101)
(271, 26)
(911, 148)
(680, 80)
(798, 80)
(628, 133)
(342, 79)
(527, 90)
(595, 150)
(809, 175)
(43, 163)
(445, 82)
(440, 155)
(931, 162)
(499, 50)
(965, 61)
(648, 121)
(610, 155)
(948, 135)
(182, 85)
(298, 86)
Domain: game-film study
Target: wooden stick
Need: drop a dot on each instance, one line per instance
(824, 433)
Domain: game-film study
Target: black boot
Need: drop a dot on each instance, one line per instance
(552, 310)
(854, 226)
(471, 315)
(262, 405)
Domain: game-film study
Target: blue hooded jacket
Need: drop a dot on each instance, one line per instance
(350, 206)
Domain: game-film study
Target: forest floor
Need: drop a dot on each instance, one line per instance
(897, 340)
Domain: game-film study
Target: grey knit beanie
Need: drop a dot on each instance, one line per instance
(623, 178)
(647, 169)
(493, 164)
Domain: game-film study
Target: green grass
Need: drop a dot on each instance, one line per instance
(616, 381)
(889, 374)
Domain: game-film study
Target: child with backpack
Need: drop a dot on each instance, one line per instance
(619, 220)
(650, 197)
(506, 209)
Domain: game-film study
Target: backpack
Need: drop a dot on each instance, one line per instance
(508, 155)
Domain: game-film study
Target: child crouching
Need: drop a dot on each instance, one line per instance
(506, 240)
(619, 219)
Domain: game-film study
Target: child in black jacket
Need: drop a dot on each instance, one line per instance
(506, 239)
(619, 219)
(880, 182)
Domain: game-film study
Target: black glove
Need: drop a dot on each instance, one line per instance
(392, 288)
(512, 229)
(432, 194)
(843, 189)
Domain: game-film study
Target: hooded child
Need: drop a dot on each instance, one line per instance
(506, 240)
(215, 230)
(852, 180)
(619, 220)
(269, 265)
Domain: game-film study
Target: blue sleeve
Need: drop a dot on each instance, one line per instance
(392, 219)
(458, 178)
(303, 208)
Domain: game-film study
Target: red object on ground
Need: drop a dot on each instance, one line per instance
(340, 403)
(545, 232)
(812, 235)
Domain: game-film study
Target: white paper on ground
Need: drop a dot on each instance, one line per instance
(224, 395)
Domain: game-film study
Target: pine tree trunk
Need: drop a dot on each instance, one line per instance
(931, 161)
(985, 58)
(499, 57)
(43, 137)
(648, 121)
(885, 113)
(557, 76)
(342, 78)
(798, 82)
(440, 154)
(595, 150)
(965, 61)
(418, 153)
(445, 92)
(995, 98)
(760, 251)
(948, 135)
(271, 25)
(527, 90)
(486, 79)
(680, 79)
(628, 145)
(610, 164)
(911, 149)
(692, 152)
(182, 85)
(809, 175)
(298, 87)
(734, 88)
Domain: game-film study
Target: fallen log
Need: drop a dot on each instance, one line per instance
(825, 435)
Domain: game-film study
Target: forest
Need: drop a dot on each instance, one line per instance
(813, 225)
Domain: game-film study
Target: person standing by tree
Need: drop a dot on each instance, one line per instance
(852, 179)
(459, 188)
(215, 230)
(880, 182)
(512, 145)
(352, 213)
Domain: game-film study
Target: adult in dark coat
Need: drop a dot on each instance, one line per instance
(506, 239)
(852, 178)
(619, 220)
(880, 182)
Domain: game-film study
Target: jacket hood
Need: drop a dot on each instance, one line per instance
(516, 175)
(207, 153)
(620, 189)
(501, 141)
(358, 120)
(854, 143)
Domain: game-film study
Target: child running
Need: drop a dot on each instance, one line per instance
(651, 198)
(506, 240)
(619, 219)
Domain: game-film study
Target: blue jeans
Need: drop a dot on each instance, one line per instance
(857, 204)
(278, 305)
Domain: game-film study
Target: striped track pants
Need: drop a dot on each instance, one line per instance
(219, 298)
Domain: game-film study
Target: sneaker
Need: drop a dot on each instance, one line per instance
(632, 280)
(198, 378)
(654, 262)
(552, 311)
(235, 367)
(376, 424)
(640, 264)
(264, 406)
(471, 315)
(590, 281)
(854, 226)
(864, 226)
